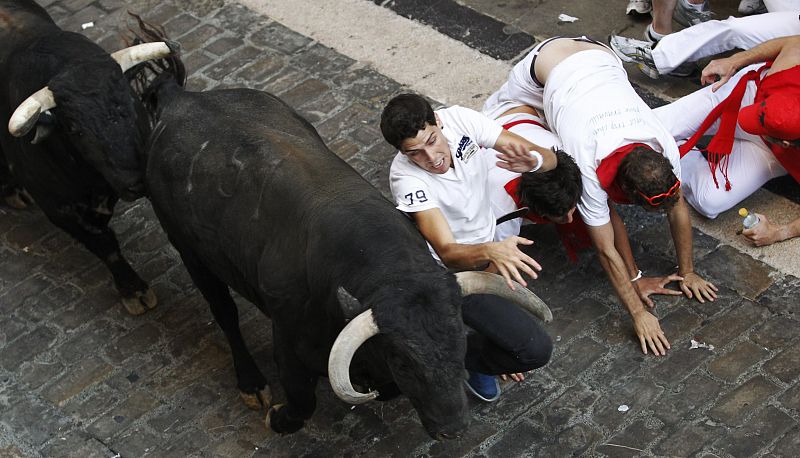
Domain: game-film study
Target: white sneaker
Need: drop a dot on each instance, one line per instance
(747, 7)
(640, 6)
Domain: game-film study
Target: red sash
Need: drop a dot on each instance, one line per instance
(574, 235)
(607, 173)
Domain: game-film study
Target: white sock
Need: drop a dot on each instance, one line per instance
(653, 34)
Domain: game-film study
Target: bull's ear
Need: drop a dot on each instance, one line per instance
(351, 307)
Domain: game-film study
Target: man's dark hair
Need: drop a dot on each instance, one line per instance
(647, 172)
(552, 193)
(404, 116)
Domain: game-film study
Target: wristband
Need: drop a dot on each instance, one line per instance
(638, 276)
(539, 160)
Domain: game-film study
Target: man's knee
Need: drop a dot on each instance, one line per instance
(536, 353)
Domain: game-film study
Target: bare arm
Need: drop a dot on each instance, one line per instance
(514, 154)
(646, 325)
(784, 52)
(505, 256)
(767, 232)
(680, 226)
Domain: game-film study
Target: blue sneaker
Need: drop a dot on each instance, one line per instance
(485, 387)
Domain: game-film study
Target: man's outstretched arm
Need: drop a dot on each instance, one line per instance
(680, 226)
(506, 257)
(784, 52)
(645, 324)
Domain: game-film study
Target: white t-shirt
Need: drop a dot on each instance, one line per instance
(502, 202)
(591, 106)
(461, 192)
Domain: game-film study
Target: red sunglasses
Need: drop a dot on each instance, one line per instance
(659, 199)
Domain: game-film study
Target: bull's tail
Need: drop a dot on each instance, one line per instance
(148, 78)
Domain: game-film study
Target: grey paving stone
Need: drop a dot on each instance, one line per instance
(687, 401)
(578, 357)
(26, 347)
(688, 438)
(277, 37)
(733, 407)
(231, 63)
(786, 365)
(84, 374)
(637, 435)
(77, 444)
(739, 361)
(791, 398)
(782, 296)
(777, 332)
(223, 45)
(638, 393)
(725, 329)
(753, 436)
(788, 445)
(517, 440)
(743, 273)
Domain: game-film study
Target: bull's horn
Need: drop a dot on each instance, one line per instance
(27, 113)
(135, 55)
(352, 336)
(488, 283)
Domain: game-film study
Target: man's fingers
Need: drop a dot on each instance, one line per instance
(649, 302)
(643, 343)
(669, 292)
(698, 294)
(673, 277)
(686, 291)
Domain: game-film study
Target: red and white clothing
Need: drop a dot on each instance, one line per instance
(713, 37)
(752, 161)
(594, 110)
(533, 129)
(460, 193)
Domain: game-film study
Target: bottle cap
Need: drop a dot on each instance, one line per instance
(742, 212)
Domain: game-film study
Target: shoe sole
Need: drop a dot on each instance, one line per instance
(480, 396)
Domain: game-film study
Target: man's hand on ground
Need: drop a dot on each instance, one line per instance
(650, 333)
(694, 285)
(646, 286)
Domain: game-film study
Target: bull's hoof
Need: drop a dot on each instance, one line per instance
(257, 400)
(18, 199)
(140, 302)
(279, 422)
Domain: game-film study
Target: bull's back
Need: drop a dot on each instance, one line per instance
(242, 178)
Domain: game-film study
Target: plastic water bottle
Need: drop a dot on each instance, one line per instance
(750, 219)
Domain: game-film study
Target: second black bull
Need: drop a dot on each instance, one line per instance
(253, 200)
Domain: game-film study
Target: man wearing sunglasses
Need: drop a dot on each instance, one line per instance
(754, 113)
(625, 156)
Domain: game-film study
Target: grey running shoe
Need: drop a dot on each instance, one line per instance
(640, 52)
(640, 6)
(747, 7)
(688, 16)
(635, 51)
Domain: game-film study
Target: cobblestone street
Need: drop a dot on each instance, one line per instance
(80, 377)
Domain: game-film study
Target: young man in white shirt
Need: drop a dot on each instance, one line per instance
(625, 156)
(439, 177)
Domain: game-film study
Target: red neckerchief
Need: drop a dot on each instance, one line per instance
(784, 80)
(574, 235)
(719, 149)
(607, 173)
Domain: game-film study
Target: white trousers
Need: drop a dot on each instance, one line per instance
(713, 37)
(782, 5)
(751, 163)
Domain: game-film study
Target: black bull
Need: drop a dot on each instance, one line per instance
(253, 200)
(86, 148)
